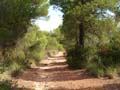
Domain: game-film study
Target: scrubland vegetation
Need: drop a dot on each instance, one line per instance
(22, 44)
(90, 36)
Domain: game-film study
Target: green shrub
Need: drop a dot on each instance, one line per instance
(104, 64)
(95, 69)
(53, 46)
(112, 72)
(110, 57)
(16, 69)
(31, 49)
(76, 58)
(5, 85)
(80, 57)
(13, 63)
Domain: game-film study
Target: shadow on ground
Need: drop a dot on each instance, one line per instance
(54, 71)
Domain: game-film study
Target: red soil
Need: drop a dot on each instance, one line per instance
(54, 74)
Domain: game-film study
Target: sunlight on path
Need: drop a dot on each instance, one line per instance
(54, 74)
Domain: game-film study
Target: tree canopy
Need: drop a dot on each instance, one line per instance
(90, 29)
(16, 16)
(83, 17)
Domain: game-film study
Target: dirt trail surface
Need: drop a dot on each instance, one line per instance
(53, 74)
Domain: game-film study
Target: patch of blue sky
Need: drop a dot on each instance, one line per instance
(53, 20)
(109, 13)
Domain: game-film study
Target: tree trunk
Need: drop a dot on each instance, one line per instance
(81, 35)
(81, 29)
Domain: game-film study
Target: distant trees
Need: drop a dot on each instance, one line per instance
(54, 42)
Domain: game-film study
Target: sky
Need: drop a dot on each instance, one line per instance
(53, 21)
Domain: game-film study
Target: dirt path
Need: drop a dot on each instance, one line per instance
(53, 74)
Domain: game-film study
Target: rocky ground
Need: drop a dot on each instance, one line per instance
(54, 74)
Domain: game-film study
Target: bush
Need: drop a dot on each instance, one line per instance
(16, 69)
(95, 69)
(29, 51)
(102, 61)
(111, 72)
(53, 46)
(80, 57)
(76, 58)
(104, 64)
(110, 57)
(5, 85)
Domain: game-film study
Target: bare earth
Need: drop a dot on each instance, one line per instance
(53, 74)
